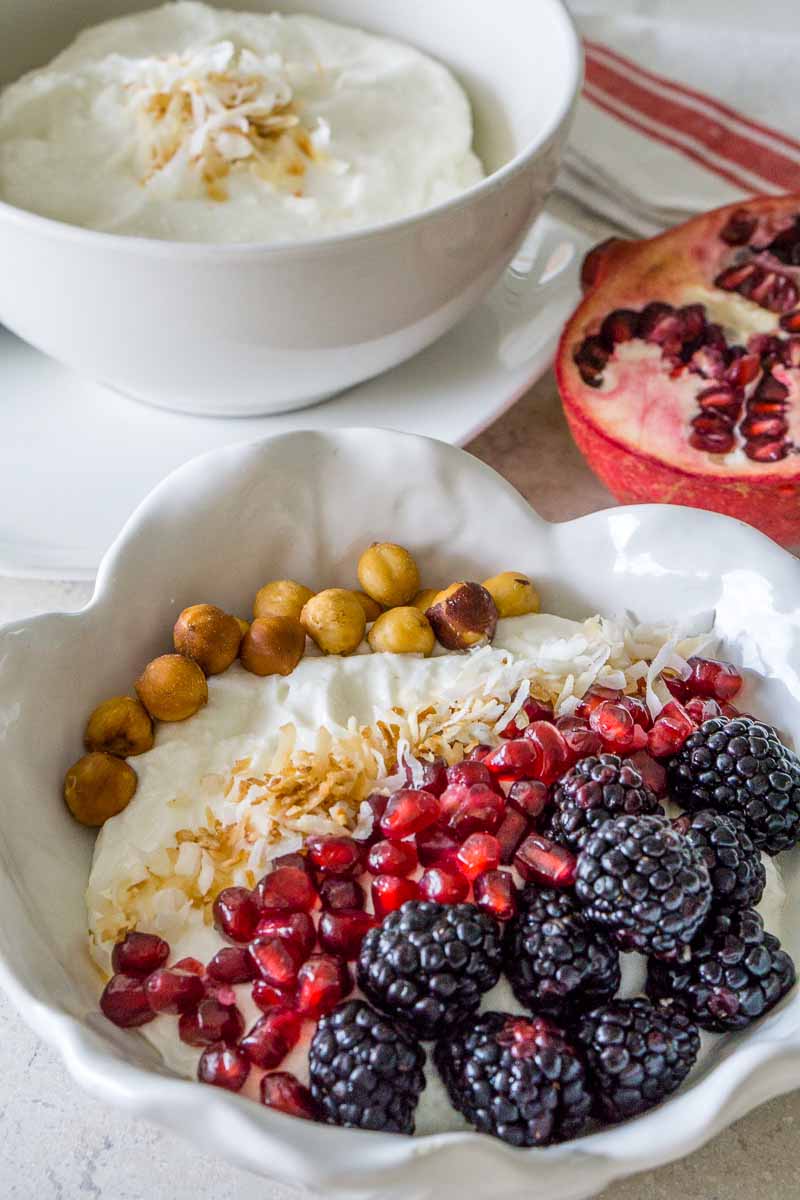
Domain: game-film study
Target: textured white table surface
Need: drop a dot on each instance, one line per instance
(58, 1144)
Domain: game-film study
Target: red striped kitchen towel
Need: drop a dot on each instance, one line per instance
(687, 104)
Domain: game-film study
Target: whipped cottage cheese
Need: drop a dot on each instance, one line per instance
(191, 123)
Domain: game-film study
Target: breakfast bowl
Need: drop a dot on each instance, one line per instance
(303, 505)
(255, 328)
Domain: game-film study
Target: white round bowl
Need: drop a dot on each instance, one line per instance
(303, 505)
(239, 330)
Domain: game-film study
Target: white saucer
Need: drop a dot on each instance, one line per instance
(76, 458)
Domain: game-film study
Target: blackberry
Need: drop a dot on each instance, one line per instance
(515, 1078)
(637, 1054)
(429, 963)
(594, 790)
(741, 767)
(645, 882)
(365, 1069)
(736, 972)
(557, 963)
(738, 876)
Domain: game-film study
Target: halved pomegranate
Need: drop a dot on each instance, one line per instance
(680, 370)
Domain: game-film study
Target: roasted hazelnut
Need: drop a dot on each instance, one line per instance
(273, 645)
(335, 620)
(120, 726)
(243, 625)
(209, 636)
(388, 574)
(424, 599)
(463, 615)
(402, 630)
(172, 687)
(98, 786)
(372, 610)
(513, 593)
(281, 598)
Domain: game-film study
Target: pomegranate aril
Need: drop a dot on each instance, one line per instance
(791, 321)
(331, 854)
(532, 710)
(139, 954)
(670, 730)
(272, 1037)
(479, 753)
(466, 773)
(763, 427)
(516, 759)
(739, 227)
(709, 362)
(481, 810)
(733, 278)
(591, 357)
(581, 740)
(530, 797)
(613, 722)
(296, 929)
(236, 913)
(287, 889)
(701, 710)
(169, 990)
(773, 291)
(552, 750)
(223, 1066)
(392, 858)
(713, 678)
(720, 399)
(540, 860)
(496, 894)
(287, 1094)
(742, 371)
(322, 983)
(389, 892)
(409, 811)
(510, 834)
(480, 852)
(276, 961)
(719, 440)
(619, 326)
(124, 1001)
(265, 996)
(429, 776)
(343, 932)
(766, 450)
(231, 965)
(651, 771)
(437, 848)
(296, 860)
(595, 696)
(770, 389)
(341, 893)
(377, 802)
(638, 709)
(442, 886)
(211, 1022)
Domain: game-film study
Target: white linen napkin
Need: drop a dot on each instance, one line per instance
(687, 105)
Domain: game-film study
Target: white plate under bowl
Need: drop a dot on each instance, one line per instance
(76, 458)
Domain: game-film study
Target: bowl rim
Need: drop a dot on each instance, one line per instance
(63, 231)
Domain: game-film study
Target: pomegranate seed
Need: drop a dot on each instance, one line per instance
(437, 848)
(124, 1002)
(539, 860)
(139, 954)
(532, 710)
(739, 227)
(766, 450)
(619, 326)
(479, 753)
(287, 889)
(392, 858)
(231, 965)
(496, 894)
(298, 861)
(343, 932)
(296, 929)
(287, 1094)
(468, 772)
(334, 855)
(322, 983)
(390, 892)
(223, 1066)
(722, 400)
(430, 776)
(718, 680)
(763, 427)
(276, 961)
(409, 811)
(639, 711)
(173, 991)
(718, 439)
(190, 964)
(530, 797)
(676, 687)
(443, 887)
(341, 893)
(701, 710)
(744, 370)
(651, 771)
(272, 1037)
(265, 996)
(236, 913)
(593, 698)
(223, 993)
(517, 759)
(377, 802)
(481, 811)
(211, 1022)
(553, 751)
(670, 730)
(581, 740)
(613, 722)
(452, 797)
(510, 834)
(590, 359)
(480, 852)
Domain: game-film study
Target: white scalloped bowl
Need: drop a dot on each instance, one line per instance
(303, 505)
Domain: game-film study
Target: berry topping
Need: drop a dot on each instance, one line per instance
(431, 776)
(333, 855)
(271, 1038)
(296, 929)
(211, 1022)
(223, 1066)
(139, 954)
(322, 983)
(276, 961)
(342, 932)
(530, 797)
(124, 1001)
(540, 860)
(231, 965)
(480, 809)
(389, 893)
(408, 811)
(509, 835)
(236, 913)
(392, 858)
(738, 875)
(594, 790)
(442, 886)
(171, 990)
(496, 894)
(479, 853)
(285, 1093)
(286, 889)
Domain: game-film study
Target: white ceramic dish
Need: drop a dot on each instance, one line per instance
(49, 527)
(304, 504)
(252, 329)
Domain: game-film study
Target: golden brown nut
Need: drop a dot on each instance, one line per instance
(372, 610)
(513, 593)
(243, 625)
(98, 786)
(335, 620)
(172, 687)
(281, 598)
(403, 630)
(388, 574)
(120, 726)
(463, 615)
(273, 646)
(208, 635)
(424, 599)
